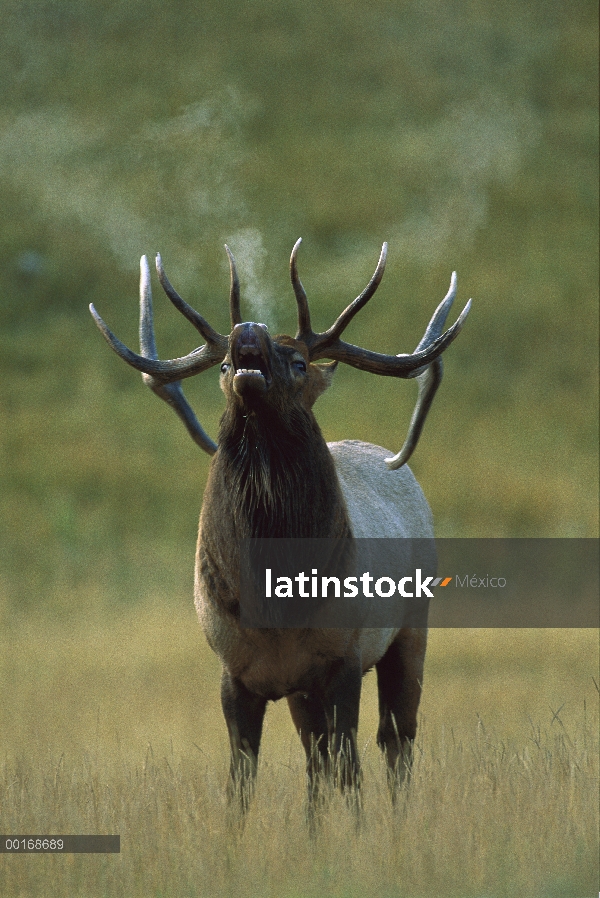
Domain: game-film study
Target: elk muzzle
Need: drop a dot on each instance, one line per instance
(250, 351)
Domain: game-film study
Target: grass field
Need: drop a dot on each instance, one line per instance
(114, 726)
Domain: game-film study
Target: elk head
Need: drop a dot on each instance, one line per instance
(255, 362)
(261, 374)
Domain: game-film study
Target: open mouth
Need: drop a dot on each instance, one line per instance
(251, 367)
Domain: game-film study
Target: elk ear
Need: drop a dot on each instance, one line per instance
(321, 380)
(327, 369)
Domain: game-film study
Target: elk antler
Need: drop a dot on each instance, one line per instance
(163, 377)
(234, 291)
(425, 362)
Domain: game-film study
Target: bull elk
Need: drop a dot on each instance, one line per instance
(273, 475)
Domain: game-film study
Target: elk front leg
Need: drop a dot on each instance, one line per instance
(341, 703)
(399, 682)
(309, 719)
(244, 714)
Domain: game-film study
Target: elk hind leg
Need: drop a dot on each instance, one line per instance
(399, 682)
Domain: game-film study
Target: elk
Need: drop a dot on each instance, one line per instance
(273, 475)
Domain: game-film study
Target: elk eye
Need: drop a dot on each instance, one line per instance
(225, 367)
(299, 365)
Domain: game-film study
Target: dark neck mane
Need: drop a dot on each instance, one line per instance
(280, 477)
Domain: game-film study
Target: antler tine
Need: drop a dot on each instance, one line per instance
(163, 377)
(147, 339)
(173, 396)
(141, 363)
(171, 393)
(429, 381)
(356, 305)
(234, 291)
(194, 317)
(169, 370)
(401, 365)
(432, 345)
(438, 319)
(424, 363)
(305, 331)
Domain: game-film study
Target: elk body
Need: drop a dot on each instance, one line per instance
(273, 475)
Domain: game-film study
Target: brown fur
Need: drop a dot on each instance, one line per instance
(274, 476)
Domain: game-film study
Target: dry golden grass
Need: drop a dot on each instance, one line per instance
(114, 726)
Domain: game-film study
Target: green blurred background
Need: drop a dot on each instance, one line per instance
(465, 134)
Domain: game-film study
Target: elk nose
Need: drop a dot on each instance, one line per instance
(250, 356)
(246, 334)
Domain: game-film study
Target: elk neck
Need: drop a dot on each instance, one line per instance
(273, 476)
